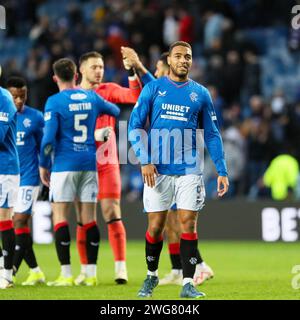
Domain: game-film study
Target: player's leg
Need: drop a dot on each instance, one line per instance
(153, 247)
(109, 196)
(9, 185)
(8, 245)
(80, 244)
(1, 260)
(87, 197)
(92, 233)
(173, 232)
(157, 201)
(189, 199)
(27, 196)
(117, 236)
(62, 194)
(60, 211)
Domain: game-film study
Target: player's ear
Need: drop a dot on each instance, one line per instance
(55, 78)
(76, 76)
(168, 60)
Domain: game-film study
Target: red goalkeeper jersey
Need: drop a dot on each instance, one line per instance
(115, 93)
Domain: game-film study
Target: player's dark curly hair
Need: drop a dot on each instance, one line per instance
(15, 82)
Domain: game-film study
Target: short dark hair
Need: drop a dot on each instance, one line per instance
(164, 58)
(16, 82)
(179, 43)
(86, 56)
(65, 69)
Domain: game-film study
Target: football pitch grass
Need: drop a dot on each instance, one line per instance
(243, 271)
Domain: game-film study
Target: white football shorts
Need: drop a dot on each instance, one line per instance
(70, 185)
(188, 192)
(27, 197)
(9, 186)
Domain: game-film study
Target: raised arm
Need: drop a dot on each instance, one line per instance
(133, 60)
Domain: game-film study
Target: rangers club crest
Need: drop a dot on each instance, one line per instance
(27, 123)
(194, 96)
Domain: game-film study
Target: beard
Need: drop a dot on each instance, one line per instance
(181, 74)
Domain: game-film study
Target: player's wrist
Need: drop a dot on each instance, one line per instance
(131, 73)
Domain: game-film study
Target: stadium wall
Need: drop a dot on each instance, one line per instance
(219, 220)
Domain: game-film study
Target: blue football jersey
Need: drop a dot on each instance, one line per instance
(8, 122)
(174, 110)
(30, 124)
(70, 120)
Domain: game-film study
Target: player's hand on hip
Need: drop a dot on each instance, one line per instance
(45, 176)
(149, 172)
(223, 185)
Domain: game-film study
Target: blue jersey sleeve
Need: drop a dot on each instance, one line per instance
(106, 107)
(212, 136)
(50, 130)
(6, 116)
(148, 77)
(4, 126)
(137, 135)
(38, 134)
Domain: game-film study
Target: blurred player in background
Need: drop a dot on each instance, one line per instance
(109, 195)
(70, 119)
(172, 227)
(9, 182)
(30, 123)
(178, 182)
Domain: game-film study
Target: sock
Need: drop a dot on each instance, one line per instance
(92, 242)
(188, 254)
(1, 259)
(22, 243)
(152, 273)
(29, 256)
(198, 256)
(117, 239)
(62, 242)
(174, 251)
(8, 243)
(187, 280)
(153, 250)
(66, 270)
(36, 270)
(83, 268)
(91, 270)
(7, 274)
(81, 245)
(119, 265)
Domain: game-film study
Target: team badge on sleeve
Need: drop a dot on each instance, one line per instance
(47, 116)
(4, 116)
